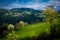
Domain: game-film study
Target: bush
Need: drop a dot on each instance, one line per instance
(20, 24)
(4, 29)
(11, 36)
(56, 26)
(10, 27)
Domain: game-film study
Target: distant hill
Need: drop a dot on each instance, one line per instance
(25, 9)
(17, 14)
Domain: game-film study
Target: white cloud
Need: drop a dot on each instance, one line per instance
(35, 4)
(54, 2)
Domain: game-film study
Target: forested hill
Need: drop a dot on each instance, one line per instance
(20, 14)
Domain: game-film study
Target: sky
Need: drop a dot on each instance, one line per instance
(34, 4)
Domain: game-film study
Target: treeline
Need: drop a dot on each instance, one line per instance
(24, 14)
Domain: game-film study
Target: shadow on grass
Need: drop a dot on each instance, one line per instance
(43, 36)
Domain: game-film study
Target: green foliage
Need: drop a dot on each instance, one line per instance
(19, 25)
(51, 17)
(50, 14)
(10, 27)
(11, 36)
(6, 28)
(31, 31)
(3, 30)
(56, 25)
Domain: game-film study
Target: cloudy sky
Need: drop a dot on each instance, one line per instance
(35, 4)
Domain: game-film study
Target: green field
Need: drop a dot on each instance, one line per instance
(30, 31)
(33, 30)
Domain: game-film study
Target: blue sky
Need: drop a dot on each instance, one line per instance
(35, 4)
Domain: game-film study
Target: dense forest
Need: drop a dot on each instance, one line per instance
(20, 14)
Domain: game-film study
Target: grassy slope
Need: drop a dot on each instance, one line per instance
(32, 30)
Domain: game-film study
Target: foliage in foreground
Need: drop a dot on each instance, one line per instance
(31, 32)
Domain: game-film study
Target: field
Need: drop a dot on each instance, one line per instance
(37, 31)
(33, 30)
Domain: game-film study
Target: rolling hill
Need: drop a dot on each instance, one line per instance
(15, 15)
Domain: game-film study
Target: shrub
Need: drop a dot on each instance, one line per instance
(3, 30)
(56, 26)
(11, 36)
(20, 24)
(10, 27)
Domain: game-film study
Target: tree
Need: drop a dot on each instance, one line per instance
(50, 15)
(2, 16)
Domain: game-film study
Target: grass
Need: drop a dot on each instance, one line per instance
(32, 30)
